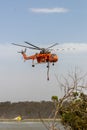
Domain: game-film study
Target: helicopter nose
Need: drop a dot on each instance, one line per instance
(55, 59)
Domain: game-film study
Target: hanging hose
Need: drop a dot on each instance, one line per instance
(48, 71)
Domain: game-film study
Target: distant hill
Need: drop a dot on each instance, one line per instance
(26, 109)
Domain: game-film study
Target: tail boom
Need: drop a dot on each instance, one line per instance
(33, 57)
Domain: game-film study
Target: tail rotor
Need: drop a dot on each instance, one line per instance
(22, 51)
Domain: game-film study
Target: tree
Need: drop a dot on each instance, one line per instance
(71, 108)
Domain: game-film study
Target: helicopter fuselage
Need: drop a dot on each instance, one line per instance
(46, 58)
(42, 57)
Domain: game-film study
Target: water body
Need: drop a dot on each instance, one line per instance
(23, 126)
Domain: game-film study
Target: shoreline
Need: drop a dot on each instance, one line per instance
(27, 120)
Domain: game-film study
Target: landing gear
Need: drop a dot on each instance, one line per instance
(53, 63)
(33, 65)
(47, 66)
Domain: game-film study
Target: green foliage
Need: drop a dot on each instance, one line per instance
(74, 113)
(54, 98)
(75, 94)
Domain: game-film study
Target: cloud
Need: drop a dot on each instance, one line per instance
(49, 10)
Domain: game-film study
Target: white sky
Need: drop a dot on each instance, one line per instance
(42, 23)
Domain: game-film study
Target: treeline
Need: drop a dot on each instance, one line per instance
(26, 109)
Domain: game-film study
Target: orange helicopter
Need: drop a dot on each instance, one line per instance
(44, 56)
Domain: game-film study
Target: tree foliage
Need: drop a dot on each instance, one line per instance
(73, 105)
(75, 113)
(71, 108)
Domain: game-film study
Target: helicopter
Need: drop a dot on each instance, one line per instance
(44, 56)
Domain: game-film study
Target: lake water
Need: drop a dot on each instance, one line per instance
(23, 126)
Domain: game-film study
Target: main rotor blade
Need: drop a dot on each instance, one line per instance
(25, 46)
(52, 45)
(33, 45)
